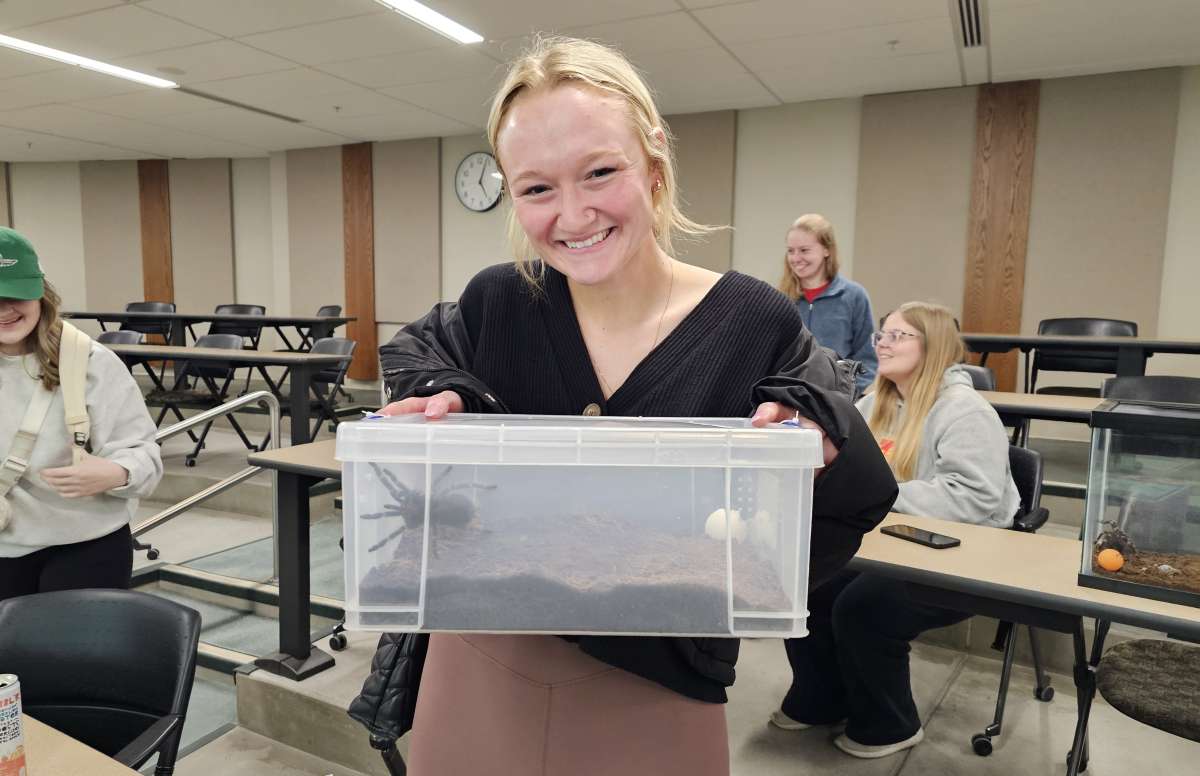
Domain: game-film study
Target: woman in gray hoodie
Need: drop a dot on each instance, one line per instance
(949, 453)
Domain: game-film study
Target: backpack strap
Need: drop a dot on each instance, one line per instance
(73, 351)
(17, 462)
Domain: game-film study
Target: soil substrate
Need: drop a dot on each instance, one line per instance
(1143, 569)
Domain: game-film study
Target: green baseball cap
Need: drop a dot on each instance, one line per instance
(20, 274)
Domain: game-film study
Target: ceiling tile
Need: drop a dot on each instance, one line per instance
(704, 79)
(352, 101)
(70, 121)
(442, 64)
(513, 18)
(466, 100)
(114, 33)
(234, 18)
(18, 145)
(856, 77)
(22, 13)
(206, 62)
(649, 36)
(14, 63)
(394, 125)
(63, 85)
(1077, 37)
(242, 126)
(778, 18)
(278, 91)
(147, 104)
(793, 52)
(345, 39)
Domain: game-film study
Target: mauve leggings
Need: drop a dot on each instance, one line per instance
(103, 562)
(537, 705)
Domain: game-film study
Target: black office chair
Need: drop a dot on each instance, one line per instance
(110, 668)
(327, 382)
(982, 377)
(248, 331)
(161, 327)
(1156, 682)
(1026, 468)
(203, 384)
(121, 337)
(1067, 360)
(329, 311)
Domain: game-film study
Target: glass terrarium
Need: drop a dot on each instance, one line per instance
(1142, 520)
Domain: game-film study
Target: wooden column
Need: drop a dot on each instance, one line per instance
(358, 224)
(998, 233)
(154, 194)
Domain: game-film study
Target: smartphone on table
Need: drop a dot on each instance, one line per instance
(920, 536)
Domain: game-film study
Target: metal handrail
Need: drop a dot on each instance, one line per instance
(265, 398)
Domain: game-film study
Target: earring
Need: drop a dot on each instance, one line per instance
(657, 186)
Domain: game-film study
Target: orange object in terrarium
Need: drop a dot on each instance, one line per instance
(1110, 560)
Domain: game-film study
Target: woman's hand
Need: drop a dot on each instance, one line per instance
(89, 477)
(774, 412)
(434, 407)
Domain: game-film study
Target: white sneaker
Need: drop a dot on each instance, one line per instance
(869, 752)
(784, 722)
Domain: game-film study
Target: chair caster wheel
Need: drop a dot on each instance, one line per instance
(189, 462)
(981, 744)
(152, 554)
(337, 642)
(1044, 694)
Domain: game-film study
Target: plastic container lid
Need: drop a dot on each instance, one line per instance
(558, 440)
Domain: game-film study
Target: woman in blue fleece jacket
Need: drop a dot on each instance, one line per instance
(836, 310)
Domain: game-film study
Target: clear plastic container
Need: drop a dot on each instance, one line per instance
(573, 525)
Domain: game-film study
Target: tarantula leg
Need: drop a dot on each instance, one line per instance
(386, 539)
(390, 510)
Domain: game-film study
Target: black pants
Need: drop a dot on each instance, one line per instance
(854, 663)
(103, 562)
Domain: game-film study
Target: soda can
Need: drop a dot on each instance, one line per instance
(12, 739)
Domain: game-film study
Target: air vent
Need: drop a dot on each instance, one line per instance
(972, 24)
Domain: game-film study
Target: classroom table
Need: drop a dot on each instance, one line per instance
(1132, 352)
(299, 468)
(1023, 578)
(51, 753)
(303, 367)
(1015, 408)
(309, 327)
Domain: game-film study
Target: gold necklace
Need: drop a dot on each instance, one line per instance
(657, 331)
(25, 366)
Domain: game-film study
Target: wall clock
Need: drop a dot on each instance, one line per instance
(477, 182)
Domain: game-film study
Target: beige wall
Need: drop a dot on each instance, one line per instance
(46, 208)
(314, 217)
(792, 160)
(5, 216)
(254, 260)
(470, 241)
(407, 228)
(112, 233)
(201, 233)
(914, 190)
(1178, 314)
(705, 150)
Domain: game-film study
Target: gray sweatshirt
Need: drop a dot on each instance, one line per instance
(122, 432)
(962, 467)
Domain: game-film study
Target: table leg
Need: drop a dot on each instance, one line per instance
(301, 379)
(177, 333)
(296, 659)
(1131, 361)
(287, 343)
(1085, 689)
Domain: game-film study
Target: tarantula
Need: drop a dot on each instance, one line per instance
(447, 509)
(1113, 537)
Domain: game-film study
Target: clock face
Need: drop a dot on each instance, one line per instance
(477, 182)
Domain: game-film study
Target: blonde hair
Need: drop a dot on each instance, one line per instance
(47, 335)
(941, 348)
(554, 61)
(819, 227)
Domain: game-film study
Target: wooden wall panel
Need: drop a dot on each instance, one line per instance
(154, 194)
(5, 208)
(358, 226)
(998, 231)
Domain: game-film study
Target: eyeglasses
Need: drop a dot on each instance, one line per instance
(891, 336)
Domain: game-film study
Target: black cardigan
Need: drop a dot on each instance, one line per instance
(508, 347)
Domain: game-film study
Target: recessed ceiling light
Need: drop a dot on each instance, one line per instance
(433, 20)
(87, 64)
